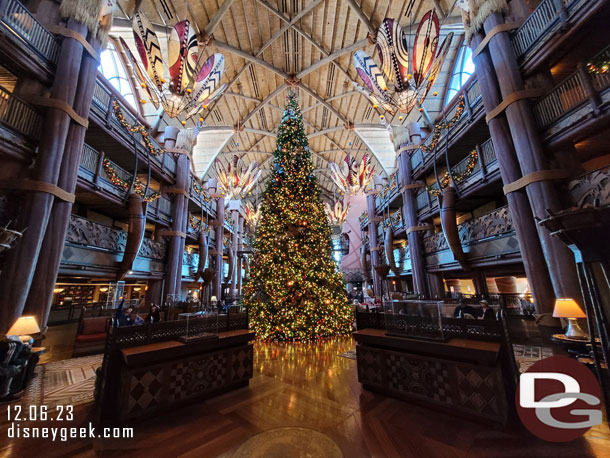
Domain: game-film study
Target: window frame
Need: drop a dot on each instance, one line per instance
(118, 58)
(464, 54)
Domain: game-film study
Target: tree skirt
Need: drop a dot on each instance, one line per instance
(67, 382)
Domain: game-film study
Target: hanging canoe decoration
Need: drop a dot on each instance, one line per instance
(186, 82)
(236, 179)
(353, 177)
(408, 70)
(337, 214)
(388, 245)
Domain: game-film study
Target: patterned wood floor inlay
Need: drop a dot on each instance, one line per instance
(310, 387)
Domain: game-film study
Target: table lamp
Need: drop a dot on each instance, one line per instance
(23, 327)
(213, 300)
(569, 309)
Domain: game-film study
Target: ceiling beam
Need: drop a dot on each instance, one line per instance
(264, 102)
(331, 57)
(209, 29)
(332, 109)
(354, 6)
(247, 56)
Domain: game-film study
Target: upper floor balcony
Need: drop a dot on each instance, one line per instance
(25, 44)
(468, 176)
(93, 174)
(488, 238)
(20, 123)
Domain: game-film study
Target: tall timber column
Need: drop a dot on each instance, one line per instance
(373, 243)
(235, 216)
(178, 142)
(239, 258)
(219, 224)
(521, 213)
(42, 188)
(537, 177)
(409, 210)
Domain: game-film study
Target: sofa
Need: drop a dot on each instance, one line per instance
(91, 335)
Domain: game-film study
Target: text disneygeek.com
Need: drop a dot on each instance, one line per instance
(17, 415)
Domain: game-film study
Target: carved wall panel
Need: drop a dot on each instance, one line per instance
(586, 189)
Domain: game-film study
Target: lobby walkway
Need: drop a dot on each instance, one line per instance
(303, 388)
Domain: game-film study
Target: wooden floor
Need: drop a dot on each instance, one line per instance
(309, 386)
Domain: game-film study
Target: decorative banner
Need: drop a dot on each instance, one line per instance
(337, 214)
(236, 180)
(408, 88)
(188, 82)
(353, 178)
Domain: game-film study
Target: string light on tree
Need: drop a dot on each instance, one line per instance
(295, 291)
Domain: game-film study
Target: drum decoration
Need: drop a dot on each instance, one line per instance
(408, 70)
(184, 84)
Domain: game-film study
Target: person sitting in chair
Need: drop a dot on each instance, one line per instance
(488, 312)
(465, 311)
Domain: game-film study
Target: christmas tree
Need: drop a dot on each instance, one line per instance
(295, 291)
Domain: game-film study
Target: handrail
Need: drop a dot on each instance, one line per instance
(17, 17)
(17, 115)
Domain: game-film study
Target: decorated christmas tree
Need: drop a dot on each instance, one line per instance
(295, 291)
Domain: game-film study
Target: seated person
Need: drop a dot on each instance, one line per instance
(462, 310)
(487, 312)
(153, 316)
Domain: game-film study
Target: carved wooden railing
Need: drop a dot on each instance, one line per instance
(496, 223)
(544, 21)
(24, 25)
(364, 219)
(208, 206)
(91, 234)
(388, 193)
(19, 116)
(570, 93)
(590, 189)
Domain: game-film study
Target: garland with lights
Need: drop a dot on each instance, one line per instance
(199, 190)
(599, 66)
(443, 125)
(136, 128)
(457, 177)
(196, 224)
(138, 187)
(295, 292)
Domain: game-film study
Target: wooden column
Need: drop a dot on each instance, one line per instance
(373, 243)
(135, 234)
(20, 263)
(240, 248)
(437, 287)
(518, 203)
(480, 283)
(40, 295)
(409, 211)
(220, 218)
(234, 248)
(173, 267)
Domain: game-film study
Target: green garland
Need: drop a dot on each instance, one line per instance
(199, 190)
(457, 177)
(136, 128)
(599, 66)
(138, 187)
(439, 127)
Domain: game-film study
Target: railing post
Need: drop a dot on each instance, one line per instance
(561, 12)
(109, 110)
(481, 159)
(99, 168)
(587, 84)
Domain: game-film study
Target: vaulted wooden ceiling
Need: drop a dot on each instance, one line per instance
(266, 43)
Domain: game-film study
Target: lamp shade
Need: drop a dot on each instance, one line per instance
(25, 325)
(213, 299)
(567, 308)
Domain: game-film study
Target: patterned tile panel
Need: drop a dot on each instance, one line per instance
(369, 366)
(144, 390)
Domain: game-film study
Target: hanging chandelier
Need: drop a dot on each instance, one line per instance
(252, 215)
(408, 70)
(235, 179)
(353, 177)
(185, 86)
(337, 214)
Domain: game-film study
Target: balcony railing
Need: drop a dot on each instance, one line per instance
(496, 223)
(19, 116)
(590, 189)
(387, 194)
(103, 106)
(570, 93)
(544, 21)
(25, 26)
